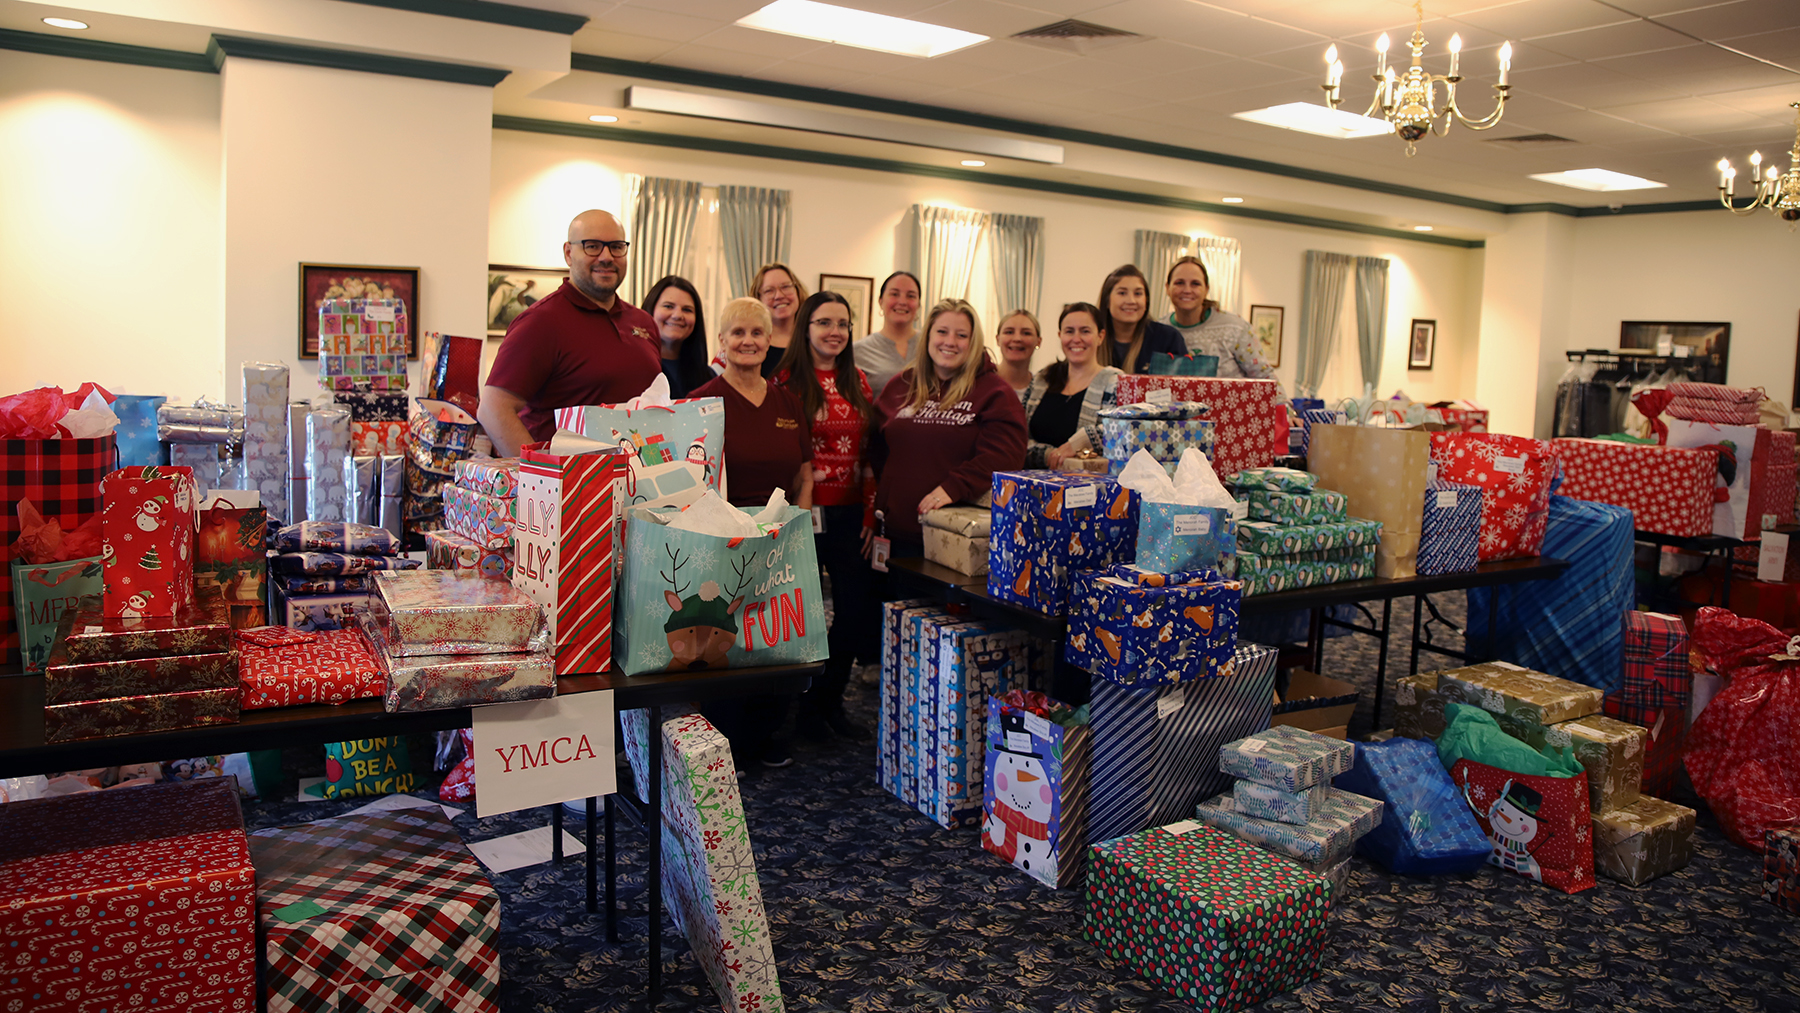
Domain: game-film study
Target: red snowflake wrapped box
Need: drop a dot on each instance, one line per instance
(1242, 411)
(282, 667)
(452, 612)
(380, 911)
(1783, 472)
(1514, 473)
(1667, 489)
(148, 523)
(142, 899)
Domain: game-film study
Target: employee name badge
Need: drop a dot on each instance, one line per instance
(818, 515)
(878, 556)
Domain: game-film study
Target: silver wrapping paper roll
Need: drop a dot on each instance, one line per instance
(327, 444)
(266, 435)
(206, 460)
(202, 413)
(393, 490)
(362, 488)
(297, 413)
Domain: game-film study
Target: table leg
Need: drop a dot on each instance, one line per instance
(1387, 614)
(612, 868)
(1725, 556)
(1315, 640)
(592, 901)
(1418, 607)
(653, 882)
(1493, 650)
(556, 855)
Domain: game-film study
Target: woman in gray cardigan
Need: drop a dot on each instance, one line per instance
(1063, 404)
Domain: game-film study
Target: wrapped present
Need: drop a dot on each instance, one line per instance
(890, 720)
(390, 511)
(1636, 843)
(962, 553)
(327, 444)
(362, 489)
(1049, 524)
(337, 563)
(1426, 827)
(923, 737)
(1163, 431)
(363, 344)
(1659, 680)
(266, 435)
(137, 715)
(67, 682)
(149, 523)
(453, 612)
(1418, 709)
(1321, 506)
(168, 858)
(447, 550)
(1382, 474)
(1462, 416)
(327, 666)
(1740, 513)
(136, 431)
(383, 406)
(684, 436)
(1266, 539)
(1268, 574)
(478, 516)
(453, 370)
(440, 433)
(1514, 473)
(292, 584)
(1669, 490)
(1156, 749)
(230, 567)
(1035, 786)
(42, 594)
(489, 476)
(1267, 802)
(381, 910)
(1783, 474)
(1138, 628)
(1172, 537)
(1523, 702)
(377, 439)
(967, 664)
(564, 543)
(1612, 754)
(92, 636)
(204, 421)
(1724, 413)
(1781, 868)
(1242, 412)
(1450, 534)
(1218, 922)
(1275, 480)
(1343, 820)
(1538, 826)
(1286, 757)
(709, 869)
(310, 612)
(212, 465)
(335, 536)
(442, 681)
(967, 521)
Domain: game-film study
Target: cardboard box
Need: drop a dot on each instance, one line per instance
(1316, 703)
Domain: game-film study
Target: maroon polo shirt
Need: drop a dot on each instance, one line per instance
(565, 350)
(764, 444)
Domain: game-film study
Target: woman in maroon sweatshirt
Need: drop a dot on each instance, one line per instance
(942, 427)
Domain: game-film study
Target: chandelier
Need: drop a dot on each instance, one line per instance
(1409, 101)
(1776, 190)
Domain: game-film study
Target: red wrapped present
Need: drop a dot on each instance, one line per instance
(1462, 416)
(1783, 472)
(376, 439)
(1658, 683)
(61, 479)
(149, 522)
(137, 715)
(382, 911)
(563, 534)
(1514, 473)
(326, 666)
(1740, 752)
(1667, 490)
(93, 637)
(65, 682)
(1243, 414)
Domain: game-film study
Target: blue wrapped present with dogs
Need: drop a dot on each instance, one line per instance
(1162, 430)
(1049, 524)
(1135, 627)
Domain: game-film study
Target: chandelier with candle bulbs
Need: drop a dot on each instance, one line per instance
(1409, 101)
(1771, 188)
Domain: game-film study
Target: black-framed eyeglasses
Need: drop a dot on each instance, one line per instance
(592, 247)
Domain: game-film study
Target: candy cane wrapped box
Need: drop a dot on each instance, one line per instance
(148, 525)
(564, 549)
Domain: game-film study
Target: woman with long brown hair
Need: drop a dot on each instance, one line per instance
(1063, 403)
(884, 353)
(1133, 338)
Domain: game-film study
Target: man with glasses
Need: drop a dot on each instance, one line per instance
(581, 344)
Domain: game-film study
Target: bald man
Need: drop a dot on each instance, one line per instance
(579, 345)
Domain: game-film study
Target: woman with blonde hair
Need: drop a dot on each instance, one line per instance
(942, 427)
(1018, 338)
(1063, 403)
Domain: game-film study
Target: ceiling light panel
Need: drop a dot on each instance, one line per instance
(1317, 119)
(1597, 180)
(808, 19)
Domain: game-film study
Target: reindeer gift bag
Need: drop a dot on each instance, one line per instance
(692, 600)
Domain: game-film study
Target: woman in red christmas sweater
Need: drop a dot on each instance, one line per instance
(942, 427)
(819, 369)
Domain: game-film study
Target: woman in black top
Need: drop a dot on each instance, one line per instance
(1125, 320)
(1062, 405)
(681, 324)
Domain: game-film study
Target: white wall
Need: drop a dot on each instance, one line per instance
(849, 221)
(110, 260)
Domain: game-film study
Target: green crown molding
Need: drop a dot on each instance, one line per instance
(222, 46)
(628, 136)
(1667, 207)
(492, 13)
(78, 48)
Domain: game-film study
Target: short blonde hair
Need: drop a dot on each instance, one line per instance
(745, 309)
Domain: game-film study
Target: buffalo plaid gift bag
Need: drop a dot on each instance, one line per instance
(61, 479)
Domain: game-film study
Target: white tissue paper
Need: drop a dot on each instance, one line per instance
(1194, 483)
(94, 418)
(712, 515)
(654, 396)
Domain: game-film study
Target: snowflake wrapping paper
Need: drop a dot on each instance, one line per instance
(139, 714)
(1612, 754)
(1267, 802)
(1216, 921)
(266, 435)
(328, 666)
(1286, 757)
(327, 444)
(447, 550)
(136, 432)
(709, 881)
(1781, 868)
(1268, 574)
(170, 859)
(1514, 473)
(1426, 827)
(478, 516)
(1137, 628)
(1266, 539)
(1049, 524)
(1523, 702)
(1162, 431)
(565, 551)
(1321, 506)
(377, 439)
(67, 682)
(1332, 834)
(148, 524)
(492, 476)
(1669, 490)
(89, 635)
(427, 682)
(1242, 412)
(1634, 844)
(453, 612)
(374, 406)
(1450, 533)
(1659, 680)
(1035, 788)
(393, 913)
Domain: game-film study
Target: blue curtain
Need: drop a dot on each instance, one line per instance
(1321, 306)
(1371, 315)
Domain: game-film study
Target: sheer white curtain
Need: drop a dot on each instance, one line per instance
(1321, 310)
(659, 221)
(1016, 261)
(755, 228)
(1155, 252)
(1371, 315)
(944, 244)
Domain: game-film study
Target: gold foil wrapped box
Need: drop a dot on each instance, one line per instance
(1612, 753)
(1523, 702)
(1644, 840)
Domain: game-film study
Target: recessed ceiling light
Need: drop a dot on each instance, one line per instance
(1602, 180)
(1315, 119)
(830, 23)
(1421, 228)
(65, 23)
(1232, 200)
(973, 163)
(603, 118)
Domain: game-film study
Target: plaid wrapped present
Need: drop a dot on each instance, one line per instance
(1450, 536)
(1343, 820)
(1242, 411)
(1268, 574)
(1267, 802)
(1659, 680)
(1267, 539)
(378, 911)
(1286, 757)
(1163, 431)
(1781, 868)
(1321, 506)
(1049, 524)
(1138, 628)
(1275, 480)
(478, 516)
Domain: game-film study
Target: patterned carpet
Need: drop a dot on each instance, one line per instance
(875, 908)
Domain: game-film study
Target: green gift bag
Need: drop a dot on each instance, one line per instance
(1170, 364)
(42, 592)
(692, 601)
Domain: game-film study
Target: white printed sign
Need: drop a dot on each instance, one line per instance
(541, 752)
(1771, 560)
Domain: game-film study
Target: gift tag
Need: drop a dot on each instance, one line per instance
(298, 911)
(1018, 742)
(1177, 829)
(374, 312)
(1168, 705)
(1446, 499)
(1037, 725)
(1510, 465)
(818, 520)
(1771, 559)
(1081, 496)
(1159, 397)
(1240, 510)
(878, 556)
(1193, 524)
(1252, 746)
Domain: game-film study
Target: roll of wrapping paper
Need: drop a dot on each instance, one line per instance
(393, 491)
(327, 444)
(191, 432)
(210, 466)
(266, 435)
(204, 413)
(362, 489)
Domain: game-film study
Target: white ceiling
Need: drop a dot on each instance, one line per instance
(1655, 88)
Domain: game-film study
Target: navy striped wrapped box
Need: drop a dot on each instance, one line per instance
(1450, 539)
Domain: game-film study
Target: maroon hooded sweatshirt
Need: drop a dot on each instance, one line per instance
(956, 446)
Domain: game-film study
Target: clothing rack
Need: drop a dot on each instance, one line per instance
(1704, 368)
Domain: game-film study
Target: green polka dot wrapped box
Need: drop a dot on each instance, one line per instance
(1216, 921)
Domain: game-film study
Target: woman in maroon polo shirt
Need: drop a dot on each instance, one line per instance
(768, 441)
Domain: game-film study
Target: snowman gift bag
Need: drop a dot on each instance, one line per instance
(148, 527)
(1539, 825)
(1034, 811)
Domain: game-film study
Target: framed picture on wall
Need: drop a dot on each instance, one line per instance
(1421, 349)
(319, 282)
(512, 289)
(859, 292)
(1265, 323)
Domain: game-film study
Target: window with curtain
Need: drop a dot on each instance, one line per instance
(755, 227)
(1156, 252)
(1322, 290)
(659, 221)
(944, 244)
(1016, 261)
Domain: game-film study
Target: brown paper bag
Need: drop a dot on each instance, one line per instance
(1382, 474)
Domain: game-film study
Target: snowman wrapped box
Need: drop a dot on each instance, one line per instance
(148, 525)
(1035, 789)
(1049, 524)
(1139, 628)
